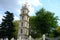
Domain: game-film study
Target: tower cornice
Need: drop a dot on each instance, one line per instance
(24, 14)
(24, 21)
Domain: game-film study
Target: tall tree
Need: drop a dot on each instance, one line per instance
(43, 23)
(16, 23)
(7, 25)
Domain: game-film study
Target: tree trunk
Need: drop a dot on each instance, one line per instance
(15, 38)
(9, 38)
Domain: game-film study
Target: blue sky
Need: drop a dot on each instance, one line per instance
(14, 6)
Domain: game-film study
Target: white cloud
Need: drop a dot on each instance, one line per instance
(32, 3)
(32, 11)
(1, 16)
(16, 18)
(35, 2)
(17, 4)
(19, 11)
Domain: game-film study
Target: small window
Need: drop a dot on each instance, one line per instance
(22, 24)
(23, 11)
(21, 30)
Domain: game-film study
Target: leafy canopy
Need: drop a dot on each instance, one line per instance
(42, 23)
(7, 25)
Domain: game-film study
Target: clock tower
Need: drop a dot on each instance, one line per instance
(23, 31)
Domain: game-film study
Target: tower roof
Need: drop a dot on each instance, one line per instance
(25, 6)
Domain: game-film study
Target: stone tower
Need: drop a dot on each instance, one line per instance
(24, 23)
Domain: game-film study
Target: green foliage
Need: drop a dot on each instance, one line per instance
(56, 32)
(33, 32)
(7, 25)
(42, 23)
(58, 29)
(16, 28)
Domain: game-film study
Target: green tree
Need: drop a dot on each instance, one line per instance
(56, 32)
(7, 25)
(58, 29)
(0, 31)
(16, 23)
(42, 23)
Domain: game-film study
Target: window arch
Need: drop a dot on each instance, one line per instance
(21, 30)
(22, 17)
(22, 24)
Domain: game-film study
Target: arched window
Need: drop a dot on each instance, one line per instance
(23, 11)
(22, 24)
(21, 30)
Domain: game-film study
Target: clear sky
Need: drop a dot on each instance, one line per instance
(14, 6)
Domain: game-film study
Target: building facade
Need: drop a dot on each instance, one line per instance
(23, 31)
